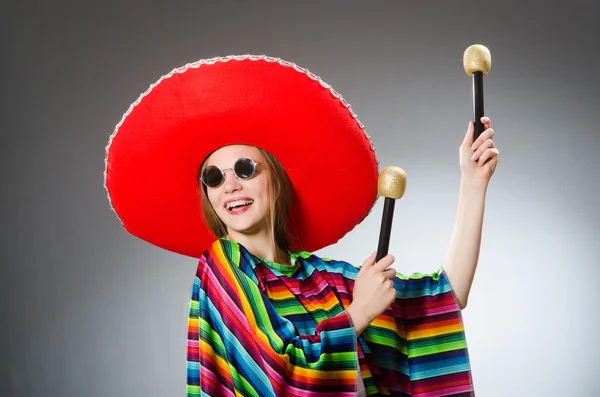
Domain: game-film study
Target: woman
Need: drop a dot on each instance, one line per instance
(281, 166)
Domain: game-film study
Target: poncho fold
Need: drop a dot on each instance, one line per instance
(258, 328)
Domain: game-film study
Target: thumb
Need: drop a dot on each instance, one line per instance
(370, 261)
(468, 140)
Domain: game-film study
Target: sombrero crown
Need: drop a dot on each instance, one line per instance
(155, 151)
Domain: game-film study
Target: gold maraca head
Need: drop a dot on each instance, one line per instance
(392, 182)
(477, 58)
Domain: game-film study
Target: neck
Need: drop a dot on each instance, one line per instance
(261, 244)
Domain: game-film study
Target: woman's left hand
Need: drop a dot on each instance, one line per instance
(478, 159)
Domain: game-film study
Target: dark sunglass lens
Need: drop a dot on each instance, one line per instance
(244, 168)
(212, 176)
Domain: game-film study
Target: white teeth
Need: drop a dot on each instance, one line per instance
(237, 203)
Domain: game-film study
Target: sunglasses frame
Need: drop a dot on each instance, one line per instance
(224, 171)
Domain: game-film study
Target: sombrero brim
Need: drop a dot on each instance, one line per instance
(154, 153)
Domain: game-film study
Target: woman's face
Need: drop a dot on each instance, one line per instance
(241, 204)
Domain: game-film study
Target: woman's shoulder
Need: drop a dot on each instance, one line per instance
(343, 265)
(221, 251)
(323, 263)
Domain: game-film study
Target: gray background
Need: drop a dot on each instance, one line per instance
(89, 310)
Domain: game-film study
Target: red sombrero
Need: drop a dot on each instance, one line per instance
(153, 156)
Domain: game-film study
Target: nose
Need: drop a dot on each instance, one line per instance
(231, 183)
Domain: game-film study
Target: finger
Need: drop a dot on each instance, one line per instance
(390, 283)
(486, 145)
(486, 122)
(384, 263)
(485, 135)
(390, 273)
(487, 155)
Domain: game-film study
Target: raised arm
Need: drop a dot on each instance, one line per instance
(478, 162)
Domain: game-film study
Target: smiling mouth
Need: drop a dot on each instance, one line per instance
(238, 206)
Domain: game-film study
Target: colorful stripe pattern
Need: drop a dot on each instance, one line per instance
(257, 328)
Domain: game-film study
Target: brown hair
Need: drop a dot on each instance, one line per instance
(280, 195)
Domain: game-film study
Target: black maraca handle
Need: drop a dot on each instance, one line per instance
(477, 62)
(478, 111)
(391, 185)
(386, 228)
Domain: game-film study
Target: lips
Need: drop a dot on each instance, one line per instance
(238, 205)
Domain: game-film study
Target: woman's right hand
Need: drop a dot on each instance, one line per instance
(374, 291)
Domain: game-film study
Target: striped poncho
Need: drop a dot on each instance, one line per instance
(257, 328)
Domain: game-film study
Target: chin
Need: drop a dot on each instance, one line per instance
(246, 226)
(247, 229)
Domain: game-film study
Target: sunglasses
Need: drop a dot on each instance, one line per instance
(244, 168)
